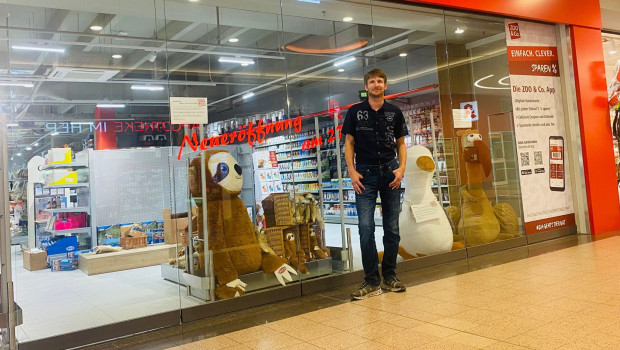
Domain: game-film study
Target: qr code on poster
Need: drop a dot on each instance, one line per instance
(525, 159)
(538, 160)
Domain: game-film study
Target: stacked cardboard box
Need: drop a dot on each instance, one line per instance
(35, 259)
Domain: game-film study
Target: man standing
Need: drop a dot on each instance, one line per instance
(375, 132)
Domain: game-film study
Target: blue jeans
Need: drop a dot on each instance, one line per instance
(376, 179)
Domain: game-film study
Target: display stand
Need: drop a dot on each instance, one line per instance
(38, 190)
(94, 264)
(34, 177)
(81, 190)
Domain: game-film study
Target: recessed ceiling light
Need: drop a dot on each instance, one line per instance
(36, 144)
(117, 56)
(28, 148)
(97, 28)
(403, 54)
(459, 31)
(194, 0)
(55, 133)
(18, 154)
(12, 124)
(347, 19)
(244, 64)
(340, 70)
(248, 95)
(233, 40)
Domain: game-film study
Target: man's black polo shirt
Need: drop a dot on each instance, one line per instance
(375, 133)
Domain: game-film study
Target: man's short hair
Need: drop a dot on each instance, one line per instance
(375, 73)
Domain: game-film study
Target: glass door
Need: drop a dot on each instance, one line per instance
(488, 214)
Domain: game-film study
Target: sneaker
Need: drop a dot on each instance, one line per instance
(392, 283)
(366, 290)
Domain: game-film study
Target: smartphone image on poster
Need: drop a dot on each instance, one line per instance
(556, 163)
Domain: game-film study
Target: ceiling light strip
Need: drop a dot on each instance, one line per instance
(156, 41)
(303, 71)
(344, 61)
(205, 51)
(110, 105)
(236, 60)
(147, 87)
(38, 48)
(25, 84)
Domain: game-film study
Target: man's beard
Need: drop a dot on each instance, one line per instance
(376, 95)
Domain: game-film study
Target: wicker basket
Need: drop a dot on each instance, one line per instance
(133, 242)
(275, 240)
(279, 210)
(303, 238)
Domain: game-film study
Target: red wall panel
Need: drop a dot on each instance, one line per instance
(596, 138)
(105, 137)
(586, 13)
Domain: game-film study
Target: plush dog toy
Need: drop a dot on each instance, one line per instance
(480, 222)
(236, 250)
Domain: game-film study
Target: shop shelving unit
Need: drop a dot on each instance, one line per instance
(85, 234)
(425, 129)
(286, 154)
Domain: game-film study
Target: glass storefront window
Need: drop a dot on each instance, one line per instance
(204, 140)
(612, 63)
(480, 131)
(87, 112)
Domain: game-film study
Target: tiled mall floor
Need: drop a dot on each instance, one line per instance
(563, 294)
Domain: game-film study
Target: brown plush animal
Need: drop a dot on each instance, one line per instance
(263, 241)
(236, 250)
(314, 245)
(291, 253)
(301, 208)
(317, 246)
(480, 222)
(312, 211)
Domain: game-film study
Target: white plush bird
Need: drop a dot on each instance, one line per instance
(428, 237)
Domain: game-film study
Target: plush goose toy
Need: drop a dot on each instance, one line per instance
(429, 237)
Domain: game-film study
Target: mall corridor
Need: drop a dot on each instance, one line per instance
(559, 294)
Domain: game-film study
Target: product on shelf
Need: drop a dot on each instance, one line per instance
(294, 257)
(153, 232)
(319, 251)
(279, 210)
(58, 156)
